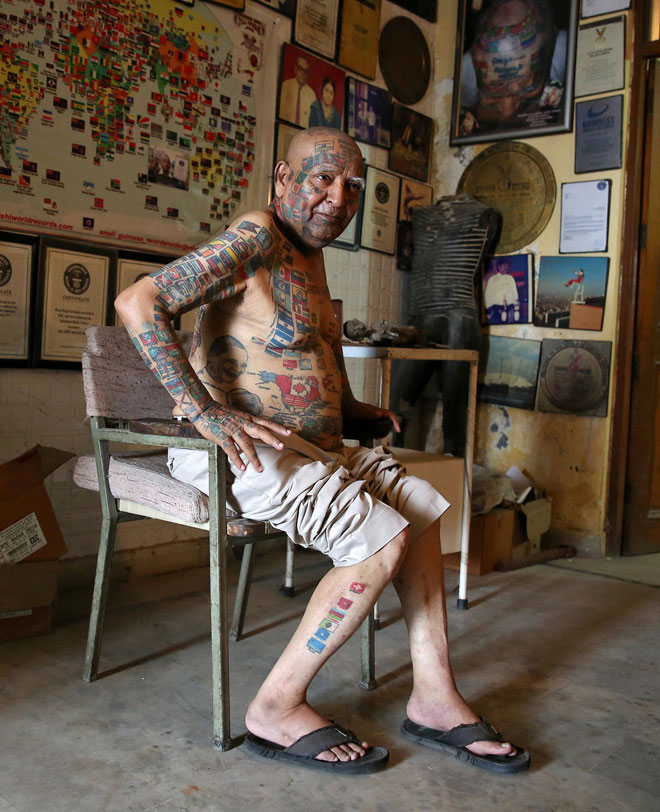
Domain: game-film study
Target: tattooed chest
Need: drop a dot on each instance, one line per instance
(302, 319)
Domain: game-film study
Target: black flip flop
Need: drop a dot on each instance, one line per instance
(456, 740)
(303, 752)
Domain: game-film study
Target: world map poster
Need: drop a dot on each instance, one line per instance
(125, 120)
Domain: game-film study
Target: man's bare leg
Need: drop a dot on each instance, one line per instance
(341, 601)
(435, 701)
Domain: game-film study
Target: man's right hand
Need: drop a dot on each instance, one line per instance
(233, 431)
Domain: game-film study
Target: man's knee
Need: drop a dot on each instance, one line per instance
(394, 552)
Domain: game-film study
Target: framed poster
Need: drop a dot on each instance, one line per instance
(358, 36)
(75, 280)
(132, 266)
(285, 7)
(413, 194)
(594, 8)
(516, 77)
(350, 236)
(575, 377)
(316, 26)
(17, 264)
(507, 289)
(585, 216)
(368, 113)
(600, 59)
(508, 372)
(381, 197)
(412, 136)
(311, 90)
(599, 134)
(571, 292)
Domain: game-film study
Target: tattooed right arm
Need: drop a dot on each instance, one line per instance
(218, 270)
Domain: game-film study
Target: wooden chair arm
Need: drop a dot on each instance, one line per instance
(164, 427)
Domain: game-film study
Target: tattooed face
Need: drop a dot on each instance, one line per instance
(227, 359)
(317, 190)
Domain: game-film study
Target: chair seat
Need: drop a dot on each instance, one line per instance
(143, 477)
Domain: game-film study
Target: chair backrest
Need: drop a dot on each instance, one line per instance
(116, 380)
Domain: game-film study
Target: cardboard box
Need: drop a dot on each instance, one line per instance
(27, 592)
(536, 516)
(445, 473)
(28, 526)
(492, 537)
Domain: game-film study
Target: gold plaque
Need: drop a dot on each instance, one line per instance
(517, 181)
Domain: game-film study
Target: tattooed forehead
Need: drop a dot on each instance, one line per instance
(333, 151)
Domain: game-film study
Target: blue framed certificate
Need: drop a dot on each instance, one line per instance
(599, 134)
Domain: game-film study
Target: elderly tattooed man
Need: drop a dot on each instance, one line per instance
(266, 381)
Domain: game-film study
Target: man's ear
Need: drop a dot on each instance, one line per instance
(280, 176)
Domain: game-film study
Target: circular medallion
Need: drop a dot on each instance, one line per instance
(5, 270)
(382, 193)
(518, 182)
(76, 279)
(575, 377)
(404, 58)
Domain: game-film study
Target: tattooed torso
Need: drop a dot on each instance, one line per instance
(268, 350)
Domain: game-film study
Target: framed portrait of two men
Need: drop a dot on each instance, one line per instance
(516, 63)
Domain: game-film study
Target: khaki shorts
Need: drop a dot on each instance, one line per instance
(346, 504)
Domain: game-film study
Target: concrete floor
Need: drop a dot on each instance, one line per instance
(564, 662)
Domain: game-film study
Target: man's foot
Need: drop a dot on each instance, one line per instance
(446, 713)
(285, 727)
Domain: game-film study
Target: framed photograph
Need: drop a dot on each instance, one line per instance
(358, 36)
(17, 269)
(600, 59)
(594, 8)
(508, 372)
(585, 216)
(413, 194)
(381, 198)
(285, 7)
(412, 136)
(405, 245)
(74, 292)
(349, 239)
(516, 74)
(575, 377)
(311, 90)
(132, 266)
(507, 289)
(571, 292)
(423, 8)
(599, 134)
(368, 113)
(316, 26)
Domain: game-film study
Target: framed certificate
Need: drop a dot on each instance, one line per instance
(17, 263)
(381, 199)
(349, 238)
(75, 280)
(358, 36)
(599, 134)
(132, 266)
(594, 8)
(585, 216)
(600, 57)
(316, 26)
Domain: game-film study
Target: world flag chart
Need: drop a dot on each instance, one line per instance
(126, 120)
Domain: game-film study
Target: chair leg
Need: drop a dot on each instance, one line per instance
(242, 592)
(219, 609)
(367, 648)
(101, 583)
(287, 589)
